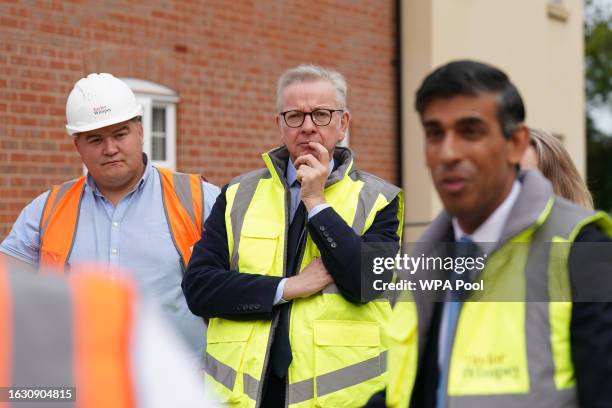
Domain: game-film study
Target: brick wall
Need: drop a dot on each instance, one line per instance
(221, 57)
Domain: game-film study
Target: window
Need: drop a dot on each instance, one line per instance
(158, 120)
(557, 10)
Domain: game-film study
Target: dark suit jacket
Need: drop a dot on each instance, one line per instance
(591, 338)
(213, 290)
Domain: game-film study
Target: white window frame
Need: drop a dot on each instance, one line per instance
(151, 95)
(557, 10)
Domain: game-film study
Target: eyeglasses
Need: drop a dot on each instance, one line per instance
(320, 117)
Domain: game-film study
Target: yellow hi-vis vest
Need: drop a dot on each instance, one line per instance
(506, 354)
(338, 357)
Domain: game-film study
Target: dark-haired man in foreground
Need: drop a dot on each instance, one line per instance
(533, 351)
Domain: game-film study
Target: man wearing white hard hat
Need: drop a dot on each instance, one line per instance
(125, 212)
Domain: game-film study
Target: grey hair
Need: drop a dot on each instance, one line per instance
(309, 72)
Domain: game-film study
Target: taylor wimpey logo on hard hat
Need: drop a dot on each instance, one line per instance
(99, 110)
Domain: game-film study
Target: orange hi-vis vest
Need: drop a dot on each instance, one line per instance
(73, 335)
(183, 199)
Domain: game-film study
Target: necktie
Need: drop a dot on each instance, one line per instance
(281, 348)
(465, 247)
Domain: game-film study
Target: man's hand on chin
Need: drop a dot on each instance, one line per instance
(312, 173)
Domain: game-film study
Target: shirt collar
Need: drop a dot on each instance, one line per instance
(91, 183)
(491, 229)
(292, 172)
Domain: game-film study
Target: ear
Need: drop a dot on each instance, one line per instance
(75, 140)
(344, 124)
(140, 131)
(279, 125)
(517, 144)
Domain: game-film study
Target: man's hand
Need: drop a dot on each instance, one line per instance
(311, 280)
(312, 173)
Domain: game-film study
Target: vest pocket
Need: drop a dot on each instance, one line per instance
(489, 352)
(402, 340)
(349, 362)
(226, 342)
(257, 251)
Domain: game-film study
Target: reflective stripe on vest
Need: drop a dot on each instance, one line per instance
(338, 379)
(237, 351)
(53, 335)
(244, 194)
(59, 222)
(182, 196)
(303, 390)
(507, 354)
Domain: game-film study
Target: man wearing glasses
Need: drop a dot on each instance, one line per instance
(278, 273)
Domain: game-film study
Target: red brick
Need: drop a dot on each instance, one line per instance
(222, 66)
(7, 22)
(27, 97)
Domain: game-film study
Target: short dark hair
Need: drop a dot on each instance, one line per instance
(471, 78)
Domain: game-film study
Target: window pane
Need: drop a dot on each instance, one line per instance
(159, 120)
(158, 134)
(158, 148)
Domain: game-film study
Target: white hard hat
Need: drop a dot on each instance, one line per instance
(97, 101)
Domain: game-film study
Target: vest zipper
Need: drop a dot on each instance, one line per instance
(300, 256)
(276, 317)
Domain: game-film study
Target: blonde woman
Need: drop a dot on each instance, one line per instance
(546, 153)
